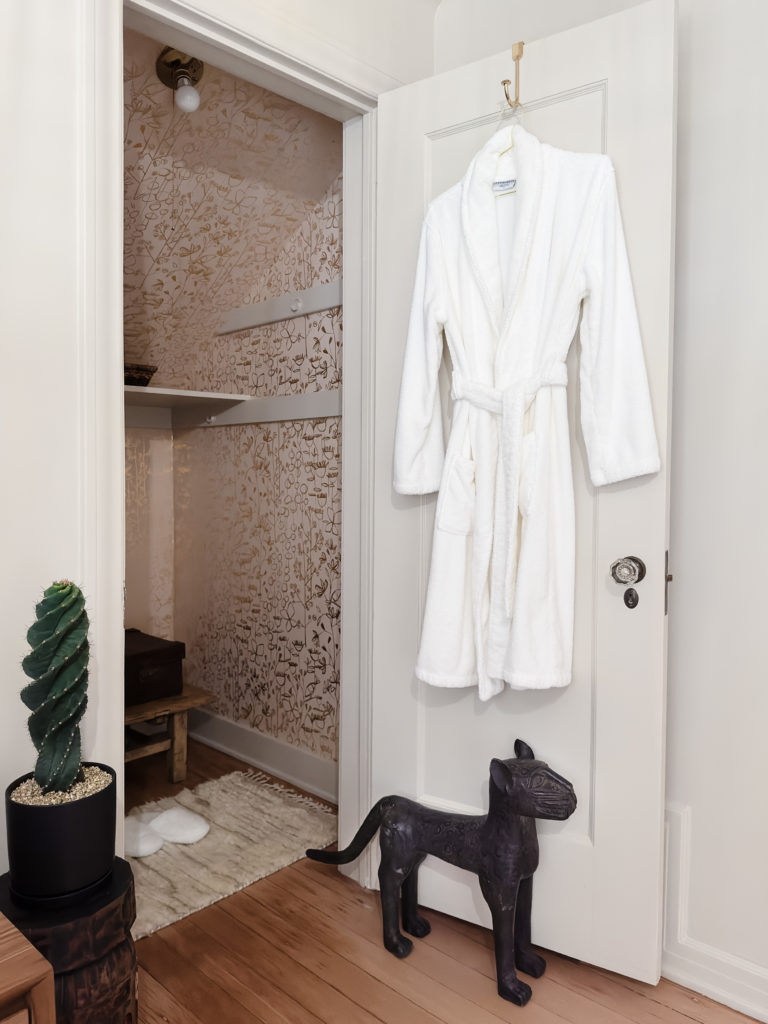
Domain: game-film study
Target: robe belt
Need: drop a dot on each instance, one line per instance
(511, 404)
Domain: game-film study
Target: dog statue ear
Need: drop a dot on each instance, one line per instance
(499, 774)
(523, 751)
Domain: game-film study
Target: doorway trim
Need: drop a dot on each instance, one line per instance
(214, 40)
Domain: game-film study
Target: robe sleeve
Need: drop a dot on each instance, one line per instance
(419, 445)
(616, 415)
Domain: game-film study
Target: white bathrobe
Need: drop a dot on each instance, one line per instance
(503, 277)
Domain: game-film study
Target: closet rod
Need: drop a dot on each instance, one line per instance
(316, 299)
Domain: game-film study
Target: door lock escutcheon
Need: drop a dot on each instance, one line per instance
(628, 571)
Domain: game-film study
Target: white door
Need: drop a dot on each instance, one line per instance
(604, 87)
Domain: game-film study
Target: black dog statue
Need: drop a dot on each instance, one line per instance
(500, 847)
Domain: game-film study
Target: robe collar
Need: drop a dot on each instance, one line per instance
(480, 224)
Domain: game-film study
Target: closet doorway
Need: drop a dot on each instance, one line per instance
(233, 268)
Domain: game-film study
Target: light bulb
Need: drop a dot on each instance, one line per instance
(186, 96)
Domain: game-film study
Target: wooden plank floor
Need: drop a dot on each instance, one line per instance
(304, 945)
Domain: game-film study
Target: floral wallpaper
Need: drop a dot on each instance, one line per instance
(258, 556)
(242, 206)
(210, 199)
(285, 358)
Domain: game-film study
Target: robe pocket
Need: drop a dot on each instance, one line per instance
(456, 501)
(528, 474)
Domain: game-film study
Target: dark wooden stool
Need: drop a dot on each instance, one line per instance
(90, 948)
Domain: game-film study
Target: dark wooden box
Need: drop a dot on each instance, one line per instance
(152, 667)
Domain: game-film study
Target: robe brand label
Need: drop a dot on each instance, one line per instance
(505, 186)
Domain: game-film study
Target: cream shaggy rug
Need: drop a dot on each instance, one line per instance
(257, 827)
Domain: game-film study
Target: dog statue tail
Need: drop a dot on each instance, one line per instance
(364, 835)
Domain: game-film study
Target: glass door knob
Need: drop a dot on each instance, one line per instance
(628, 571)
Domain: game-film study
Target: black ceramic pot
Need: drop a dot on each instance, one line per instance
(58, 855)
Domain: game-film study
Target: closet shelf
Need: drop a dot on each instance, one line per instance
(316, 299)
(168, 408)
(173, 398)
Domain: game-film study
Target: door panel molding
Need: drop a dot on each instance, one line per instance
(714, 972)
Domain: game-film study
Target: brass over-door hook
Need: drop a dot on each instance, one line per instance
(517, 53)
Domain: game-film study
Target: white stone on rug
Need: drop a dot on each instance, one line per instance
(178, 825)
(140, 838)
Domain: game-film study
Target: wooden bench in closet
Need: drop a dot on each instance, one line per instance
(174, 710)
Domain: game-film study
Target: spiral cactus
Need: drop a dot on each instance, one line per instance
(58, 666)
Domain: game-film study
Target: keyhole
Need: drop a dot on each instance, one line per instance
(631, 597)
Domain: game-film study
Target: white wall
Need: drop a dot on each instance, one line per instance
(370, 45)
(718, 709)
(716, 939)
(393, 39)
(39, 510)
(466, 30)
(60, 300)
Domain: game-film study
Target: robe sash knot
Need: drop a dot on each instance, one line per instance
(510, 404)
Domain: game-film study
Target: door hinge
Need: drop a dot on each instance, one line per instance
(668, 577)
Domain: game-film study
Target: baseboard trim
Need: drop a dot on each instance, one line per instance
(713, 972)
(299, 767)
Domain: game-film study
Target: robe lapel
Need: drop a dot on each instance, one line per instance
(500, 286)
